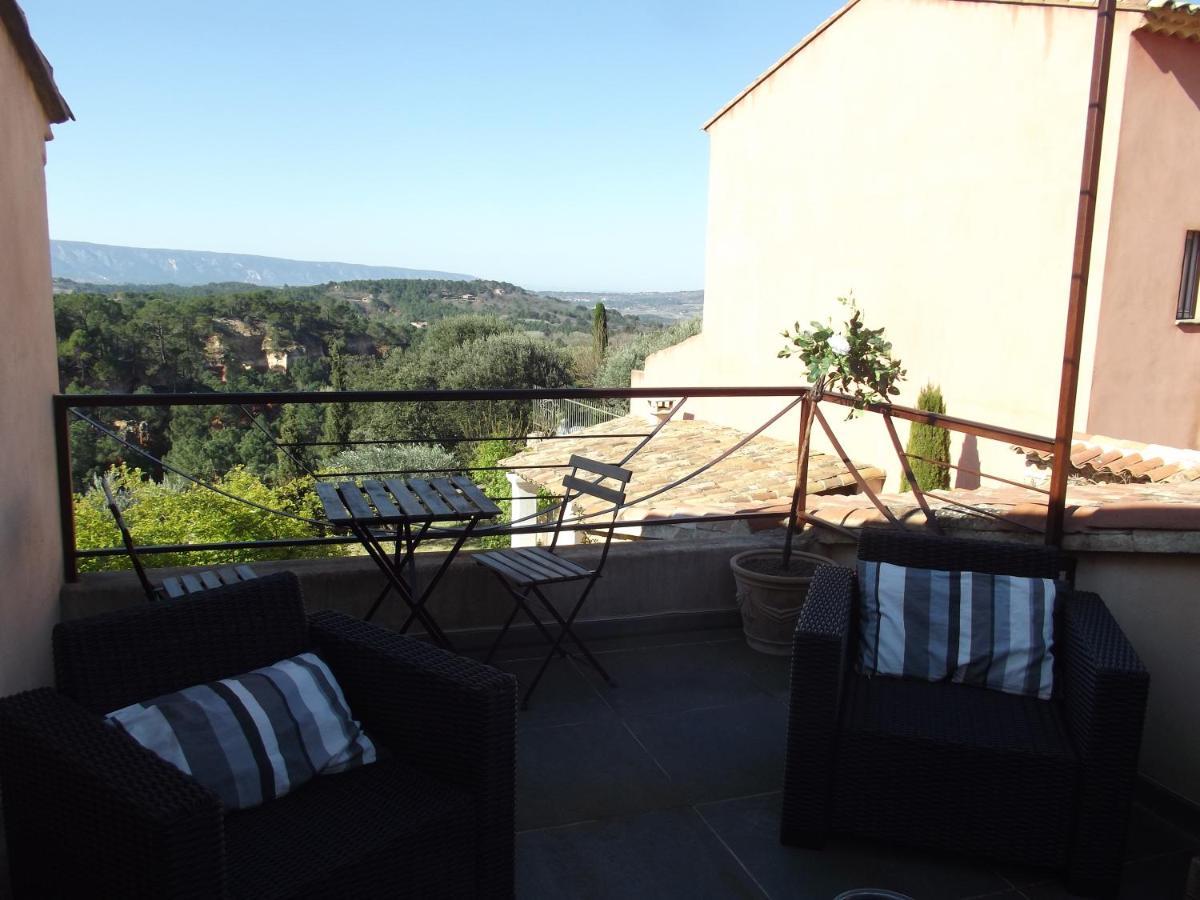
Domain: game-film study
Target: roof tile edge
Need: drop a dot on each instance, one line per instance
(41, 73)
(781, 62)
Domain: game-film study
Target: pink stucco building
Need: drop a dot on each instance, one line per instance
(925, 155)
(30, 549)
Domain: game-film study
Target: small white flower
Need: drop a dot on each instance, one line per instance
(838, 345)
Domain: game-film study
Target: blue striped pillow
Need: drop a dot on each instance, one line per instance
(254, 737)
(994, 631)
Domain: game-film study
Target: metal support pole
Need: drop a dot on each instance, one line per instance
(66, 501)
(800, 491)
(1106, 13)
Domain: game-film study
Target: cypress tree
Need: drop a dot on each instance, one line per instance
(930, 442)
(599, 332)
(336, 427)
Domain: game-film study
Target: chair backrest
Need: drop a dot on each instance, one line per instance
(110, 660)
(575, 486)
(960, 554)
(127, 538)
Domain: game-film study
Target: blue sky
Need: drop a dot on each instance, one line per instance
(551, 144)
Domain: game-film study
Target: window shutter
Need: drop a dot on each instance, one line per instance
(1189, 283)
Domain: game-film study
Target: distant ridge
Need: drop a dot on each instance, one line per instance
(108, 264)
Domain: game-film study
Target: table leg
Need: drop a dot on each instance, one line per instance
(381, 559)
(419, 606)
(387, 584)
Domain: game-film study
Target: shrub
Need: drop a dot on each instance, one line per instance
(620, 361)
(169, 513)
(930, 442)
(494, 483)
(392, 459)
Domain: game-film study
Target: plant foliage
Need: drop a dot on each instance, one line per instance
(169, 513)
(855, 360)
(930, 442)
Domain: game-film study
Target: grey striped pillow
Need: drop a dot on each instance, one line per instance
(254, 737)
(994, 631)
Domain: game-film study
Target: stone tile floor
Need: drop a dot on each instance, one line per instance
(668, 786)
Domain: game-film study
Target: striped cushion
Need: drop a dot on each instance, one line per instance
(994, 631)
(255, 737)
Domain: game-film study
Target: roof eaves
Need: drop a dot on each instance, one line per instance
(812, 36)
(39, 68)
(1176, 5)
(1177, 18)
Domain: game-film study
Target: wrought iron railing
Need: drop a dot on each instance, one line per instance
(83, 407)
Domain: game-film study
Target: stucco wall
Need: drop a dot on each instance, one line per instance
(924, 155)
(1153, 597)
(1145, 382)
(30, 555)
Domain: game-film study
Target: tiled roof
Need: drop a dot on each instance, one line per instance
(759, 475)
(1094, 509)
(1097, 457)
(1175, 5)
(1178, 18)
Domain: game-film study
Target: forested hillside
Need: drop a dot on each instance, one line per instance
(384, 335)
(176, 338)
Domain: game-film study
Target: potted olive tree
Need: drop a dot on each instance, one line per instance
(772, 583)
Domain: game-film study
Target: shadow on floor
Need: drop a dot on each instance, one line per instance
(667, 785)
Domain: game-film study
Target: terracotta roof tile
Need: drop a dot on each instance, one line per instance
(1091, 508)
(1103, 459)
(757, 477)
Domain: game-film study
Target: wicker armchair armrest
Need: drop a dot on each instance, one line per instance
(819, 654)
(89, 812)
(1104, 690)
(448, 715)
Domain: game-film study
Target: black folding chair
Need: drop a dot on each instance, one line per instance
(525, 571)
(173, 587)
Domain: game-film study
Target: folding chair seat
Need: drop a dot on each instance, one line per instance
(173, 587)
(525, 571)
(534, 565)
(184, 585)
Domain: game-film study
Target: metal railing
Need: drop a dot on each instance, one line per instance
(83, 407)
(564, 416)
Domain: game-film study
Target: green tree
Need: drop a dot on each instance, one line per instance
(494, 484)
(623, 359)
(498, 361)
(169, 514)
(394, 459)
(298, 423)
(930, 442)
(338, 419)
(204, 441)
(599, 332)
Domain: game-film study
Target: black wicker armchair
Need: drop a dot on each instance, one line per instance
(90, 813)
(949, 766)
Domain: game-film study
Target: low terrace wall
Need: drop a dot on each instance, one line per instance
(678, 585)
(646, 586)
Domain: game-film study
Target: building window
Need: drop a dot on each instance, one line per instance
(1189, 284)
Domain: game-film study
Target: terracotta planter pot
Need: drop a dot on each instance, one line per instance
(770, 604)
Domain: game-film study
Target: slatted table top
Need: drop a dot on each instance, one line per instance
(392, 501)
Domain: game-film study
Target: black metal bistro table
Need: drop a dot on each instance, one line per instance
(404, 510)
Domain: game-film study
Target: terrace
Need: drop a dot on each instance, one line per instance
(683, 761)
(669, 784)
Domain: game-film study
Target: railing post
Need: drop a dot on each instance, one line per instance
(1106, 13)
(800, 491)
(66, 501)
